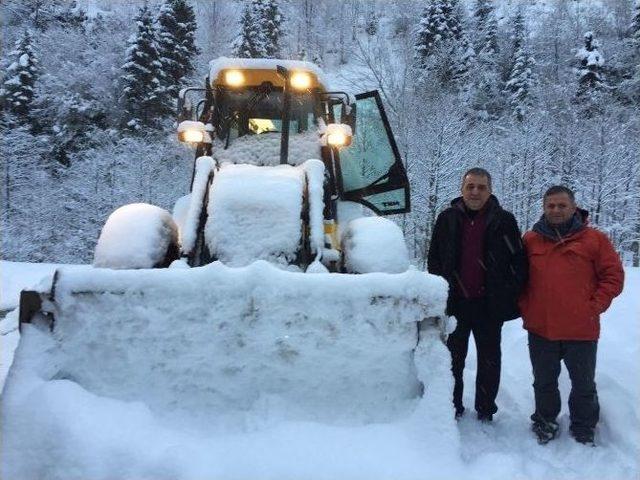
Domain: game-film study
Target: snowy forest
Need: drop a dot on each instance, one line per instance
(537, 92)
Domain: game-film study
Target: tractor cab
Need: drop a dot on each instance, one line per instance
(280, 111)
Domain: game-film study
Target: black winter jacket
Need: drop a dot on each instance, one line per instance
(504, 258)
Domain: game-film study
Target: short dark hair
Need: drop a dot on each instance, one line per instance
(559, 189)
(480, 172)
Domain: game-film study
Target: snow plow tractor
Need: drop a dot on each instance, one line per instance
(267, 287)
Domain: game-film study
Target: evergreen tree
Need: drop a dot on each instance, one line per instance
(463, 60)
(442, 50)
(486, 28)
(439, 24)
(487, 84)
(251, 42)
(630, 87)
(21, 76)
(520, 83)
(591, 62)
(142, 76)
(176, 47)
(635, 25)
(43, 13)
(72, 16)
(372, 23)
(272, 24)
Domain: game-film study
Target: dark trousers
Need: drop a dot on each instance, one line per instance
(580, 359)
(473, 318)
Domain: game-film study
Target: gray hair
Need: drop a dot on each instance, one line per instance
(480, 172)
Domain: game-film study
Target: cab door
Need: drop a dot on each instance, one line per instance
(370, 169)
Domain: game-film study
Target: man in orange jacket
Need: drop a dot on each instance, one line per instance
(574, 274)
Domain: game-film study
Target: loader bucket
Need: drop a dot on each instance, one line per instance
(216, 341)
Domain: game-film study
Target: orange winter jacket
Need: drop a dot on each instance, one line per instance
(571, 282)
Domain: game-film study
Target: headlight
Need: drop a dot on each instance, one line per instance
(336, 139)
(300, 80)
(191, 136)
(234, 78)
(337, 135)
(193, 132)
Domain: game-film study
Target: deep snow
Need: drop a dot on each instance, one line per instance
(425, 444)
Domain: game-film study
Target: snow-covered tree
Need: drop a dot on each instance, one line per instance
(142, 75)
(442, 50)
(591, 61)
(20, 78)
(372, 23)
(521, 79)
(439, 24)
(176, 44)
(71, 16)
(272, 23)
(485, 79)
(463, 61)
(634, 29)
(42, 13)
(486, 25)
(630, 86)
(252, 41)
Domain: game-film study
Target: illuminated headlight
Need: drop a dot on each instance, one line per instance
(337, 135)
(337, 139)
(191, 136)
(300, 80)
(234, 78)
(193, 132)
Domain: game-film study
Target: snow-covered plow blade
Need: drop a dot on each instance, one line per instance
(214, 340)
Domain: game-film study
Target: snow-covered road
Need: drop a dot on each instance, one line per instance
(417, 447)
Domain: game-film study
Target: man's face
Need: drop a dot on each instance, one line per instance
(558, 208)
(475, 191)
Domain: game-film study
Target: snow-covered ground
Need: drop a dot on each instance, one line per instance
(425, 443)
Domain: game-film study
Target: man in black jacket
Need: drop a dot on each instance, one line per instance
(476, 246)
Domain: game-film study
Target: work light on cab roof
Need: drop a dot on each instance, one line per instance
(300, 80)
(234, 78)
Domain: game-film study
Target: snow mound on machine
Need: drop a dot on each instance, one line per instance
(137, 235)
(255, 213)
(213, 342)
(361, 246)
(264, 149)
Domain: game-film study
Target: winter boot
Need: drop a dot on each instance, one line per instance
(485, 417)
(584, 436)
(545, 430)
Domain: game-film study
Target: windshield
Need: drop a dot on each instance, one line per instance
(257, 112)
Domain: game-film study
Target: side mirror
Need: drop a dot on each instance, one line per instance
(184, 106)
(348, 116)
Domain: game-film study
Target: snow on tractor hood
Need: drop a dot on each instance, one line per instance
(264, 149)
(255, 212)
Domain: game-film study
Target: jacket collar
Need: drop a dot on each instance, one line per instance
(558, 233)
(489, 208)
(491, 203)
